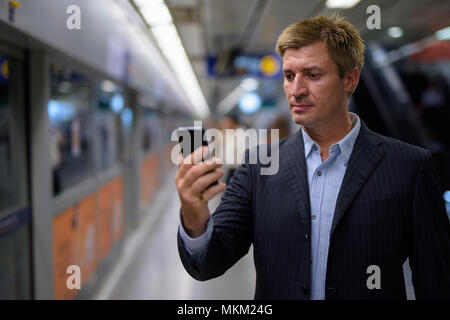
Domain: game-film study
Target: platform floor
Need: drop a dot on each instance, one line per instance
(150, 268)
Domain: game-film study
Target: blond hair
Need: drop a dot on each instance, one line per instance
(344, 44)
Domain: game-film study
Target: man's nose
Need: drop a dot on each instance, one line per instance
(299, 87)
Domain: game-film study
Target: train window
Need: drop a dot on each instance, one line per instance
(110, 106)
(12, 163)
(69, 113)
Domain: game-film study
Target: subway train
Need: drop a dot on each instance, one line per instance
(85, 124)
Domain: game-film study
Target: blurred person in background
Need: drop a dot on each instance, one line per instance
(231, 146)
(279, 123)
(433, 105)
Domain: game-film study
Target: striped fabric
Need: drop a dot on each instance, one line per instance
(324, 180)
(389, 207)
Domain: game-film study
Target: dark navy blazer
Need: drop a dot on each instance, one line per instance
(389, 208)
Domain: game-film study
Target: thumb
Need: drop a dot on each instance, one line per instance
(180, 159)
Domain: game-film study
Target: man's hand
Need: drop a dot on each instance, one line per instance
(193, 177)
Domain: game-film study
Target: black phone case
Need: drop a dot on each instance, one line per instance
(194, 144)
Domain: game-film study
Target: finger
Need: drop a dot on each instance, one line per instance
(196, 156)
(189, 162)
(213, 191)
(180, 162)
(206, 180)
(180, 159)
(200, 169)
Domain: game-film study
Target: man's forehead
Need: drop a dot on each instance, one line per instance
(306, 67)
(310, 49)
(306, 58)
(315, 64)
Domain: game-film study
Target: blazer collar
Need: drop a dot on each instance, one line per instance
(367, 153)
(294, 162)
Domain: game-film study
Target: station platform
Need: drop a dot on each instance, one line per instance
(150, 268)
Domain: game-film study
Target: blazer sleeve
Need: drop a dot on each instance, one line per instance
(430, 237)
(232, 232)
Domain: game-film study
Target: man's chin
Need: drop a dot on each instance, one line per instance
(301, 119)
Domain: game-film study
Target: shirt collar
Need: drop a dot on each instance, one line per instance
(345, 146)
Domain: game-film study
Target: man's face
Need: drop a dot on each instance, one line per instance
(315, 92)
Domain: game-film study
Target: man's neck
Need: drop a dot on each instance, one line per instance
(328, 134)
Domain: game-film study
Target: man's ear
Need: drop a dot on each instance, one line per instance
(351, 79)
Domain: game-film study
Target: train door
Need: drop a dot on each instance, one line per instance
(15, 230)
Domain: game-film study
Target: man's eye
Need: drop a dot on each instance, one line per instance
(314, 75)
(289, 76)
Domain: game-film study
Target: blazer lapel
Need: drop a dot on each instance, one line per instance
(295, 164)
(365, 156)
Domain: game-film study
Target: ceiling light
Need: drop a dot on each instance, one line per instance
(249, 84)
(447, 196)
(108, 86)
(157, 15)
(344, 4)
(395, 32)
(250, 102)
(146, 3)
(171, 46)
(443, 34)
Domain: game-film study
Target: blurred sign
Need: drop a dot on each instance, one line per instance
(265, 65)
(14, 221)
(438, 51)
(4, 69)
(118, 59)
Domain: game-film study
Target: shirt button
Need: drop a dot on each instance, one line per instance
(313, 217)
(315, 148)
(319, 173)
(306, 236)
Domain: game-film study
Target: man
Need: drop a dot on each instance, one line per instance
(345, 203)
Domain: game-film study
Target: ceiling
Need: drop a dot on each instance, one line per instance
(208, 27)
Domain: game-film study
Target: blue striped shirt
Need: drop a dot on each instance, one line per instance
(325, 179)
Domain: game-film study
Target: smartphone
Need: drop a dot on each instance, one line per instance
(190, 139)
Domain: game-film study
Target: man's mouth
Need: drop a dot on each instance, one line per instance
(301, 107)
